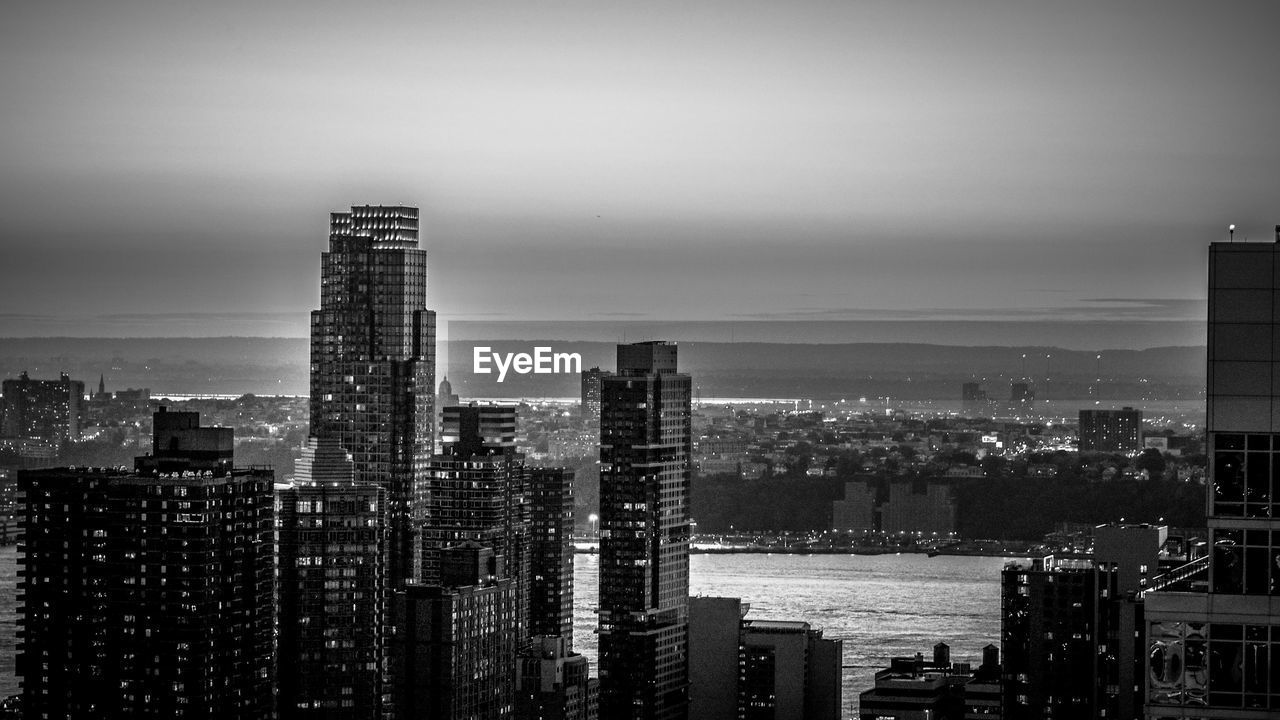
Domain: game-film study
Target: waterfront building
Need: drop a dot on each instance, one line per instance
(147, 594)
(715, 656)
(759, 669)
(789, 672)
(1048, 626)
(1112, 431)
(857, 511)
(373, 361)
(919, 507)
(645, 449)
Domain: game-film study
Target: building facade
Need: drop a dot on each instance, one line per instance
(1214, 649)
(476, 490)
(454, 655)
(147, 594)
(789, 672)
(591, 394)
(51, 411)
(1112, 431)
(645, 449)
(373, 361)
(554, 683)
(331, 585)
(551, 553)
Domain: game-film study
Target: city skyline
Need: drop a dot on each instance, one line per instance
(873, 161)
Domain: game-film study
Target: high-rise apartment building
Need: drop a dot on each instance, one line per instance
(373, 361)
(455, 652)
(1049, 627)
(645, 449)
(1215, 654)
(47, 410)
(147, 594)
(1113, 431)
(591, 393)
(332, 590)
(476, 491)
(551, 553)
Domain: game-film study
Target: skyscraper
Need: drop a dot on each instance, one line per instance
(551, 553)
(476, 491)
(591, 393)
(147, 594)
(645, 448)
(332, 590)
(373, 360)
(1215, 654)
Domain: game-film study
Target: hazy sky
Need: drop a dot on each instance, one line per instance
(167, 168)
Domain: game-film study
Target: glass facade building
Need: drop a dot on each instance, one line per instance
(1214, 649)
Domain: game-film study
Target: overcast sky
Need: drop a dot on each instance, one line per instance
(168, 168)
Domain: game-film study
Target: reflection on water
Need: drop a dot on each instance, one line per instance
(879, 605)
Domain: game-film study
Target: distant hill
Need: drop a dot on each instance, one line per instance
(264, 366)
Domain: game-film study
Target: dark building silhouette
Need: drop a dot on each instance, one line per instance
(759, 669)
(49, 411)
(1022, 397)
(1213, 647)
(715, 657)
(591, 394)
(973, 399)
(551, 553)
(789, 672)
(937, 689)
(331, 585)
(1114, 431)
(476, 490)
(645, 448)
(147, 594)
(454, 654)
(1050, 624)
(445, 394)
(179, 443)
(373, 360)
(554, 683)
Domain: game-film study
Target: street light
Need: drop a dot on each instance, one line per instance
(593, 519)
(1231, 230)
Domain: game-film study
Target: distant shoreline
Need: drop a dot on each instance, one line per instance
(763, 550)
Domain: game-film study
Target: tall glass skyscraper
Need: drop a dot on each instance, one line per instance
(645, 446)
(1214, 646)
(373, 361)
